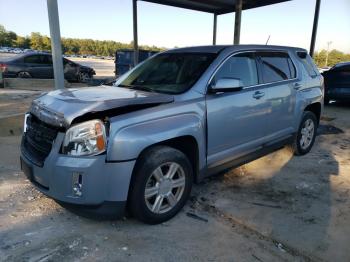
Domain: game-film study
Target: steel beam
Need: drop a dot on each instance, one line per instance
(314, 28)
(238, 15)
(215, 28)
(56, 48)
(136, 44)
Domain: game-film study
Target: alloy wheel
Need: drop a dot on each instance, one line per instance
(307, 134)
(165, 187)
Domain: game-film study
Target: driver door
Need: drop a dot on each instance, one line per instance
(236, 120)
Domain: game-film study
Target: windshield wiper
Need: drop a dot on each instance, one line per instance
(142, 88)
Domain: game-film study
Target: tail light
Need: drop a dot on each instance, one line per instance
(3, 67)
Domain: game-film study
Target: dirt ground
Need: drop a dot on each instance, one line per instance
(277, 208)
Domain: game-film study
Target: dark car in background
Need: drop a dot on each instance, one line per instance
(124, 59)
(39, 65)
(337, 82)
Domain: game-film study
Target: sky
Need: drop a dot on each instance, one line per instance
(288, 23)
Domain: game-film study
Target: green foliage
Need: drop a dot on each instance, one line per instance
(6, 37)
(334, 57)
(22, 42)
(70, 46)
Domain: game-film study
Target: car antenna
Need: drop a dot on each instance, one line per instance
(268, 40)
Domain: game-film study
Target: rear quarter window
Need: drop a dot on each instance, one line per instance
(308, 64)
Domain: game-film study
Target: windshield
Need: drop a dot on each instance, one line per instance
(172, 73)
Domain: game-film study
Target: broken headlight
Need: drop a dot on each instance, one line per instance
(88, 138)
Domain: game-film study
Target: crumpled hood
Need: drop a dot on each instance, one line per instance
(61, 107)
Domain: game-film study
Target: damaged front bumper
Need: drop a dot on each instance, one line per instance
(88, 182)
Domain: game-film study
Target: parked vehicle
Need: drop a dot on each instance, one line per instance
(39, 65)
(124, 59)
(337, 82)
(175, 119)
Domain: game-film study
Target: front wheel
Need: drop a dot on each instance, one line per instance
(306, 135)
(84, 77)
(161, 185)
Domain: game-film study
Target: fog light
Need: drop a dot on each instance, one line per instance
(77, 184)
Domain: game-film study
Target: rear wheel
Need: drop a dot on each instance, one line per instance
(24, 74)
(306, 135)
(161, 185)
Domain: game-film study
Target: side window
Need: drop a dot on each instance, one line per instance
(308, 64)
(48, 59)
(276, 66)
(242, 67)
(33, 59)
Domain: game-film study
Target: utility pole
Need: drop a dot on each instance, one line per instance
(56, 47)
(328, 45)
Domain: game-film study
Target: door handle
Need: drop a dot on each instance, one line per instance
(258, 94)
(297, 86)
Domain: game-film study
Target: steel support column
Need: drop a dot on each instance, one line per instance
(136, 44)
(314, 28)
(215, 28)
(238, 15)
(56, 48)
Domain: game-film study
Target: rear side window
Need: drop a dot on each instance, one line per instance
(241, 67)
(307, 63)
(34, 59)
(276, 66)
(48, 60)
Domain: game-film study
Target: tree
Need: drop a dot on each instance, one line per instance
(6, 37)
(22, 42)
(36, 41)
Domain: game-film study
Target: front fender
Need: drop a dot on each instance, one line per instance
(128, 142)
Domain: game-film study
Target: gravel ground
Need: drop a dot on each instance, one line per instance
(277, 208)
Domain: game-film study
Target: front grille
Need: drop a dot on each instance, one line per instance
(37, 140)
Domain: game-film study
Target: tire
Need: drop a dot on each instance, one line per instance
(84, 77)
(305, 138)
(164, 199)
(24, 74)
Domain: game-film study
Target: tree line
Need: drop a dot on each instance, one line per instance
(334, 57)
(76, 46)
(37, 41)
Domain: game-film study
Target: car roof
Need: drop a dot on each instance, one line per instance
(342, 64)
(218, 48)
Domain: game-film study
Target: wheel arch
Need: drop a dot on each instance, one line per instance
(186, 144)
(316, 109)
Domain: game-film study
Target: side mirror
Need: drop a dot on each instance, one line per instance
(227, 84)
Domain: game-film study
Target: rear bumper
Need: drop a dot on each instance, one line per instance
(103, 184)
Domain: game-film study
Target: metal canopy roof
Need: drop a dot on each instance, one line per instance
(215, 6)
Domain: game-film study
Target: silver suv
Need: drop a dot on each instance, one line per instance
(176, 118)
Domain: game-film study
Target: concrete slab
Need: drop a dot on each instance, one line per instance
(31, 84)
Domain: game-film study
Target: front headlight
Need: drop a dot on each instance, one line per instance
(88, 138)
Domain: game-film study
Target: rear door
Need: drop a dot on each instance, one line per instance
(279, 76)
(38, 66)
(236, 120)
(32, 65)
